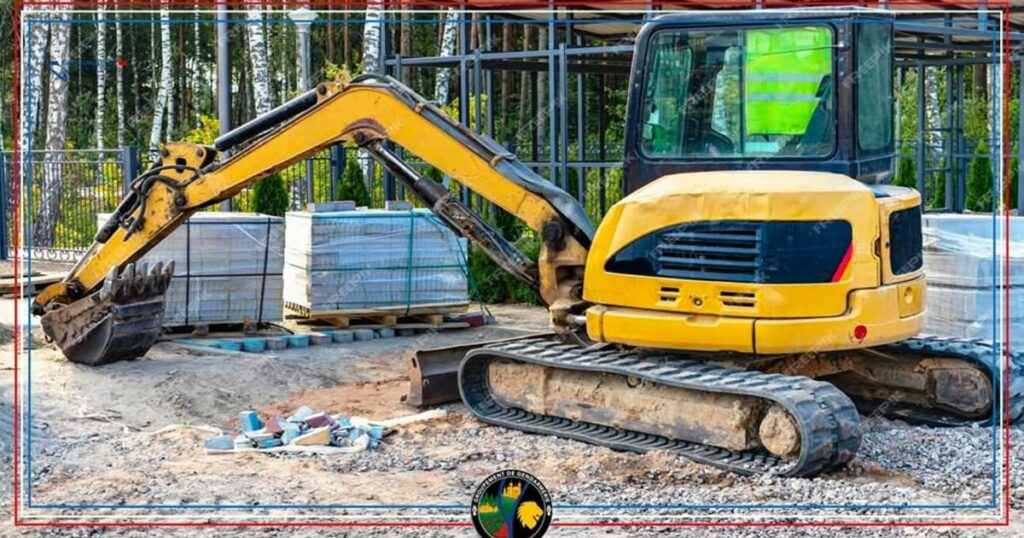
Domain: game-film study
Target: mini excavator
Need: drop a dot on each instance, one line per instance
(758, 287)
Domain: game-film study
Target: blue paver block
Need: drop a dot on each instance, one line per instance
(232, 345)
(385, 333)
(297, 340)
(342, 336)
(318, 339)
(254, 345)
(363, 334)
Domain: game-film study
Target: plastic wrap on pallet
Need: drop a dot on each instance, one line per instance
(372, 260)
(228, 269)
(966, 281)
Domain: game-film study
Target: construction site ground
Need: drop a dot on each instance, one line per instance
(122, 435)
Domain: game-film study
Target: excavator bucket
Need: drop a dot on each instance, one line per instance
(120, 321)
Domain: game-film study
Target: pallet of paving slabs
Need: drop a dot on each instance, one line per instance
(372, 263)
(228, 269)
(29, 285)
(963, 274)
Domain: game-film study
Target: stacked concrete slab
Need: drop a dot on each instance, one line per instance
(366, 261)
(965, 269)
(227, 269)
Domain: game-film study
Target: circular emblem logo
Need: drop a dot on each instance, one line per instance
(511, 504)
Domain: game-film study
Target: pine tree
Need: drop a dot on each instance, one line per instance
(270, 197)
(979, 180)
(353, 186)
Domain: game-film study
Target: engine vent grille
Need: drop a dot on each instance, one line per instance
(711, 251)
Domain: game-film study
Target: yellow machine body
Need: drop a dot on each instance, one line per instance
(864, 304)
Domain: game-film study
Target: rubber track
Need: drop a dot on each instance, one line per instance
(978, 352)
(827, 419)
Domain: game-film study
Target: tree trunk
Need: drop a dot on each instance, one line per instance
(56, 133)
(542, 91)
(156, 133)
(506, 82)
(197, 71)
(346, 46)
(444, 75)
(371, 36)
(258, 59)
(31, 100)
(405, 42)
(524, 82)
(101, 73)
(119, 80)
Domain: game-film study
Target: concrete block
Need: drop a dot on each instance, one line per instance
(259, 436)
(290, 435)
(327, 207)
(363, 334)
(319, 420)
(300, 414)
(270, 443)
(342, 336)
(318, 436)
(242, 442)
(221, 442)
(277, 425)
(385, 333)
(276, 344)
(254, 345)
(297, 340)
(250, 421)
(319, 339)
(397, 205)
(230, 345)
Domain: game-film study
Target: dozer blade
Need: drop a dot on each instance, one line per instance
(434, 373)
(121, 321)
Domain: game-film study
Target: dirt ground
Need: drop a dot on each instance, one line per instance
(126, 436)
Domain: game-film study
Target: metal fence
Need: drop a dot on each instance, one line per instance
(88, 182)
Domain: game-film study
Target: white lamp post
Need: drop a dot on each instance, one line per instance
(303, 17)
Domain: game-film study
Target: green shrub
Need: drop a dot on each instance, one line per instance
(906, 171)
(979, 181)
(352, 186)
(495, 285)
(270, 197)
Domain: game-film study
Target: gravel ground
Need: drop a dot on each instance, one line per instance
(119, 435)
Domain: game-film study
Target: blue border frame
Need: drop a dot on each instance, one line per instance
(27, 478)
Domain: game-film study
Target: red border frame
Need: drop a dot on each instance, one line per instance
(1002, 6)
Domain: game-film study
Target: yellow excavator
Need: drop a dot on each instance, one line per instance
(759, 283)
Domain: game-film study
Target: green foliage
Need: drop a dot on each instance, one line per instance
(270, 197)
(352, 186)
(906, 171)
(206, 132)
(336, 72)
(979, 180)
(976, 120)
(494, 284)
(1014, 181)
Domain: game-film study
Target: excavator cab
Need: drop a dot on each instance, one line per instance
(781, 91)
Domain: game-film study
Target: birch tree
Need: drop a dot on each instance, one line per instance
(101, 73)
(56, 132)
(371, 36)
(155, 134)
(444, 75)
(119, 80)
(32, 92)
(258, 59)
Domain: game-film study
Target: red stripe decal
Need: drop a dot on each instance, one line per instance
(842, 265)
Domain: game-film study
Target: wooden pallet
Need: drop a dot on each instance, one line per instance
(400, 317)
(29, 287)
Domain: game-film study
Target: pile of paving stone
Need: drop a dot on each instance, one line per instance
(303, 431)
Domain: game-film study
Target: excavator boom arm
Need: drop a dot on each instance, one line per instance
(370, 111)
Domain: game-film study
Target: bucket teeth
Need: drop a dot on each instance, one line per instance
(120, 321)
